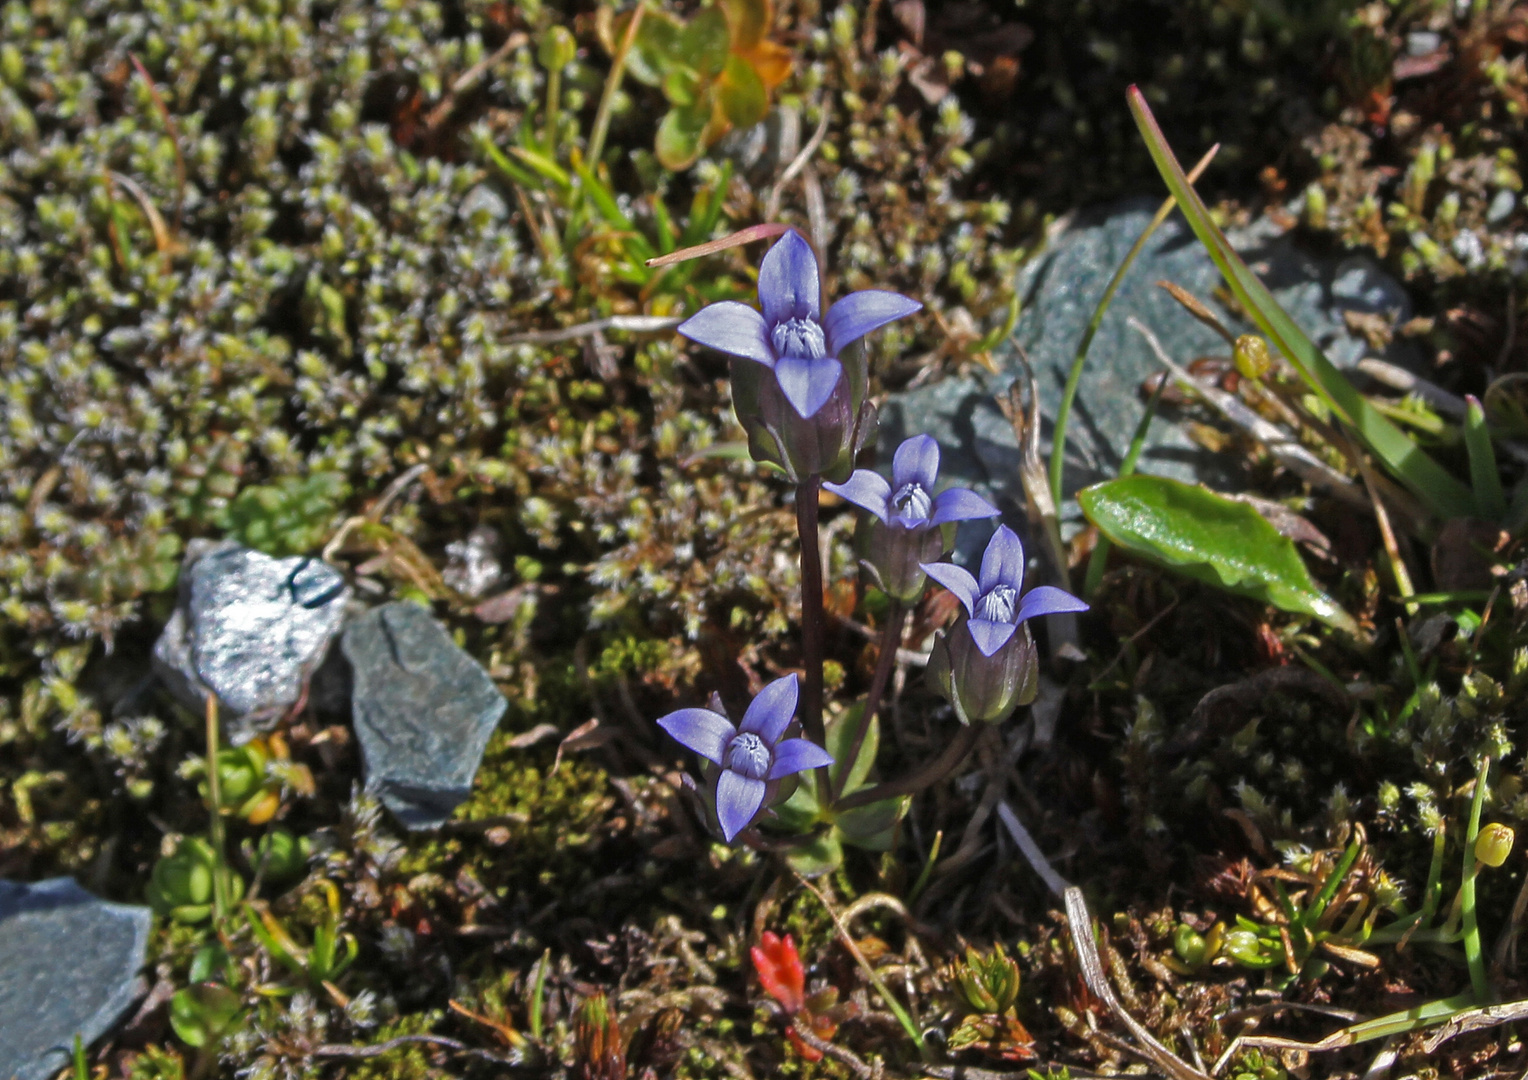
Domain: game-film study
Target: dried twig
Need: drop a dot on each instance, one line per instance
(1080, 922)
(636, 324)
(468, 79)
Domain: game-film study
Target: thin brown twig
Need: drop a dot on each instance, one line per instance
(467, 79)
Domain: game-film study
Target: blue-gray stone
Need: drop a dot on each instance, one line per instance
(69, 966)
(1060, 289)
(423, 711)
(251, 629)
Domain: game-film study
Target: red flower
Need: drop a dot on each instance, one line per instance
(780, 971)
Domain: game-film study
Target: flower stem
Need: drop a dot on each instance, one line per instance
(215, 824)
(1472, 953)
(891, 640)
(935, 771)
(811, 613)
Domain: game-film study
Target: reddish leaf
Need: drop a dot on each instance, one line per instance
(780, 971)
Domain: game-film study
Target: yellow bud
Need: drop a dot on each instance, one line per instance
(1251, 356)
(1494, 844)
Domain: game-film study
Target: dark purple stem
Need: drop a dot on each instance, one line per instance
(885, 663)
(937, 770)
(811, 613)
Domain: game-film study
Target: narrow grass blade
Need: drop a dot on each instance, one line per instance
(1074, 376)
(1441, 492)
(1484, 477)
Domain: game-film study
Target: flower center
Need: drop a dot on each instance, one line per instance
(799, 337)
(999, 604)
(912, 503)
(749, 756)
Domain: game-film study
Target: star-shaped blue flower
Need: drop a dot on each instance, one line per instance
(791, 337)
(996, 601)
(753, 755)
(908, 500)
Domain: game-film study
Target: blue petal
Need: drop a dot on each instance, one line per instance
(807, 384)
(732, 328)
(864, 489)
(857, 314)
(990, 636)
(916, 462)
(1047, 600)
(770, 713)
(701, 730)
(955, 578)
(798, 755)
(788, 283)
(1003, 561)
(960, 504)
(737, 802)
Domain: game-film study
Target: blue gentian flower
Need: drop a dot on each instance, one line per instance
(791, 337)
(908, 514)
(986, 666)
(754, 756)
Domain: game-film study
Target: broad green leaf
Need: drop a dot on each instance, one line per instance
(679, 136)
(682, 86)
(872, 827)
(655, 48)
(1440, 491)
(742, 93)
(201, 1013)
(706, 42)
(1209, 538)
(822, 856)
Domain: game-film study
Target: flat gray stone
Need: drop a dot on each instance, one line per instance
(1060, 289)
(423, 711)
(69, 966)
(251, 629)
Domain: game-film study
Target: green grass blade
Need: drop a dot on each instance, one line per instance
(1441, 492)
(1074, 376)
(1484, 477)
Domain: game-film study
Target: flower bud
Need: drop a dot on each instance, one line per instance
(1493, 844)
(894, 551)
(983, 687)
(1251, 356)
(1190, 945)
(825, 443)
(556, 48)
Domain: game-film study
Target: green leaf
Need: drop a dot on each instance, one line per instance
(679, 136)
(840, 738)
(656, 46)
(682, 86)
(201, 1013)
(742, 93)
(873, 827)
(1442, 493)
(822, 856)
(1209, 538)
(706, 43)
(1484, 476)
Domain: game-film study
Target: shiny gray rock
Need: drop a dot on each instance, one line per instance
(423, 711)
(251, 629)
(1061, 287)
(69, 966)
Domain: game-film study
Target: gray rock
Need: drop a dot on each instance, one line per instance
(423, 711)
(68, 966)
(249, 628)
(1060, 290)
